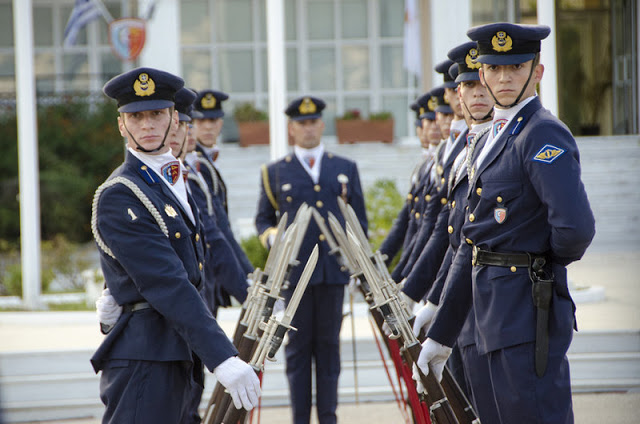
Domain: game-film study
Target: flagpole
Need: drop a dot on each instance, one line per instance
(27, 154)
(103, 10)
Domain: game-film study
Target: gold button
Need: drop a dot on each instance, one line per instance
(513, 269)
(200, 266)
(442, 180)
(453, 204)
(417, 215)
(197, 237)
(415, 198)
(469, 241)
(319, 203)
(208, 246)
(450, 229)
(322, 237)
(330, 155)
(178, 235)
(427, 197)
(409, 196)
(443, 200)
(479, 191)
(499, 199)
(288, 159)
(289, 199)
(316, 187)
(472, 217)
(143, 167)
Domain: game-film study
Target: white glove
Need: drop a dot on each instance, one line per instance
(407, 301)
(241, 381)
(271, 238)
(416, 377)
(435, 355)
(107, 308)
(424, 317)
(354, 283)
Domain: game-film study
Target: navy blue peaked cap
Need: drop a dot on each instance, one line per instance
(443, 68)
(208, 104)
(416, 108)
(466, 57)
(143, 89)
(184, 103)
(453, 72)
(506, 43)
(305, 108)
(442, 105)
(427, 104)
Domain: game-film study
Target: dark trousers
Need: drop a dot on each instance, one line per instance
(476, 372)
(141, 392)
(318, 321)
(523, 397)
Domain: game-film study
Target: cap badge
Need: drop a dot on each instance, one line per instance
(144, 85)
(307, 107)
(501, 42)
(422, 111)
(431, 104)
(208, 101)
(472, 59)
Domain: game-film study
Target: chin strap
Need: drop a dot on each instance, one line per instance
(142, 149)
(478, 120)
(183, 144)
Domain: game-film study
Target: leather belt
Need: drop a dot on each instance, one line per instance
(485, 257)
(133, 307)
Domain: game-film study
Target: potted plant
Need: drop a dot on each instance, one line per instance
(352, 128)
(253, 124)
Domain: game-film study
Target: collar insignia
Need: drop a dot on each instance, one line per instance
(208, 101)
(307, 107)
(548, 154)
(144, 85)
(498, 125)
(171, 213)
(171, 172)
(501, 42)
(471, 60)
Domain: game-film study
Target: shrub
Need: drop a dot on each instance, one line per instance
(380, 116)
(383, 202)
(247, 112)
(351, 114)
(255, 251)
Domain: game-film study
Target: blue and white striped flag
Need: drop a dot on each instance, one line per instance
(84, 11)
(412, 50)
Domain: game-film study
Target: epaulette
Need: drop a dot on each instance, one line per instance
(267, 186)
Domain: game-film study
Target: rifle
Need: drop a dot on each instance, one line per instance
(273, 335)
(394, 313)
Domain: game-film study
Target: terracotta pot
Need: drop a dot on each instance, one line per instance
(256, 132)
(359, 130)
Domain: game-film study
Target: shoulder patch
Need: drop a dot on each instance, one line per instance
(548, 154)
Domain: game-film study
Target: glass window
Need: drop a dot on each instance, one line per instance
(354, 18)
(44, 66)
(360, 103)
(111, 66)
(329, 115)
(292, 70)
(320, 19)
(76, 71)
(196, 65)
(290, 14)
(103, 28)
(355, 62)
(6, 25)
(65, 14)
(399, 107)
(322, 65)
(42, 26)
(195, 24)
(236, 71)
(486, 11)
(392, 18)
(393, 73)
(233, 20)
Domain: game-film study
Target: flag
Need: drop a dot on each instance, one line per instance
(412, 51)
(84, 11)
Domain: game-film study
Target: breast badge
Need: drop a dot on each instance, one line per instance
(171, 213)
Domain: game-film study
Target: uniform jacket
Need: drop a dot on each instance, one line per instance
(164, 270)
(526, 196)
(286, 185)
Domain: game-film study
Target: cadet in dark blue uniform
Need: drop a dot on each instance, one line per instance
(315, 177)
(528, 218)
(151, 253)
(207, 122)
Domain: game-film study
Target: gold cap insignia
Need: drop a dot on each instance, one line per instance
(472, 59)
(422, 111)
(307, 106)
(431, 104)
(501, 42)
(208, 101)
(170, 211)
(144, 86)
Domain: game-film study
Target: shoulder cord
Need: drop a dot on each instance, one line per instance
(214, 175)
(205, 189)
(139, 194)
(471, 154)
(267, 186)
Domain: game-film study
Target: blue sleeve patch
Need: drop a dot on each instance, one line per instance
(548, 154)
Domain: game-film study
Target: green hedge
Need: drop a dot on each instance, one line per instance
(78, 147)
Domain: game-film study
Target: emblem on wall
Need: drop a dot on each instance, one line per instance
(127, 37)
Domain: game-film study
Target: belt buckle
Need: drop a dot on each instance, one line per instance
(474, 255)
